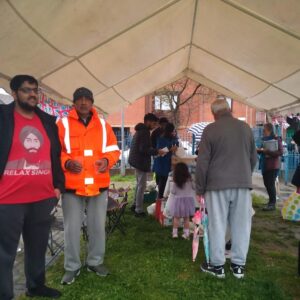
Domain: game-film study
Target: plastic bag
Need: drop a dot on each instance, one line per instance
(151, 209)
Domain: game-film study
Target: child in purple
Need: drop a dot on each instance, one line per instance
(182, 199)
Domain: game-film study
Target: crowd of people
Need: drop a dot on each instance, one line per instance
(42, 161)
(223, 176)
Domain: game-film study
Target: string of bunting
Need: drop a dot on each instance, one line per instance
(52, 107)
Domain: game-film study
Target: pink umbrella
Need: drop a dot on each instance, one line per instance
(195, 245)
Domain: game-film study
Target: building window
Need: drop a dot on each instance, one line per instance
(127, 136)
(164, 102)
(229, 101)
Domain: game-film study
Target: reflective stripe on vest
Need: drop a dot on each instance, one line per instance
(65, 122)
(104, 135)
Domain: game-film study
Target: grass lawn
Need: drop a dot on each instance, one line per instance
(148, 264)
(120, 178)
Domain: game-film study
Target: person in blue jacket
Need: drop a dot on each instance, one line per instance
(162, 164)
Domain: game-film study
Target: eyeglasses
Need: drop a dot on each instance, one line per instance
(27, 90)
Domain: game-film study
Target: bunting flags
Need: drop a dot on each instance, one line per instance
(52, 107)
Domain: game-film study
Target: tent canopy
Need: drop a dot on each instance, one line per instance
(124, 49)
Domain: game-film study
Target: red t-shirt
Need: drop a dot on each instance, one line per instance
(27, 176)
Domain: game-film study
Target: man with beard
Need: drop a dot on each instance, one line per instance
(33, 141)
(25, 206)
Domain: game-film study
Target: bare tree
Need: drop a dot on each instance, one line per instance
(173, 96)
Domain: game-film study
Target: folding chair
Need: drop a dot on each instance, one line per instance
(53, 246)
(115, 215)
(84, 227)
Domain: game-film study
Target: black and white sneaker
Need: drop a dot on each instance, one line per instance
(217, 271)
(238, 271)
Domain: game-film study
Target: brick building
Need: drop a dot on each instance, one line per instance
(193, 111)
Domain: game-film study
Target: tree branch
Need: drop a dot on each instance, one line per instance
(184, 87)
(191, 96)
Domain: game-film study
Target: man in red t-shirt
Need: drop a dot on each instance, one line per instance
(31, 180)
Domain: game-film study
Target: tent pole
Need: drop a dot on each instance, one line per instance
(193, 144)
(122, 145)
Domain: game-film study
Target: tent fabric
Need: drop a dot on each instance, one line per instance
(124, 49)
(5, 99)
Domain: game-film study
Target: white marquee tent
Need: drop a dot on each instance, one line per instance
(124, 49)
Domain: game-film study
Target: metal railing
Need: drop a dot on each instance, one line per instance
(289, 165)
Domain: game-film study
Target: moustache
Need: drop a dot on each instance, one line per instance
(32, 150)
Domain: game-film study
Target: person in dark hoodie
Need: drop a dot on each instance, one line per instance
(140, 158)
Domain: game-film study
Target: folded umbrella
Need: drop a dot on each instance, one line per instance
(195, 245)
(204, 222)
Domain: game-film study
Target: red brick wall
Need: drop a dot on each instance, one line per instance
(195, 110)
(133, 114)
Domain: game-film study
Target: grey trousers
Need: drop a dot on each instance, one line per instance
(233, 206)
(73, 211)
(141, 180)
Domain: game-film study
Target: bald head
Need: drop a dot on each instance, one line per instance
(219, 107)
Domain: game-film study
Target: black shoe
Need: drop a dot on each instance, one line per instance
(43, 291)
(238, 271)
(132, 208)
(269, 207)
(217, 271)
(140, 215)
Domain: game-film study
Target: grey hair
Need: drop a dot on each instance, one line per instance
(219, 106)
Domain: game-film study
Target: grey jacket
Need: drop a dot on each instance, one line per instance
(227, 156)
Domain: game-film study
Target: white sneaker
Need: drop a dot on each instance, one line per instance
(185, 236)
(174, 235)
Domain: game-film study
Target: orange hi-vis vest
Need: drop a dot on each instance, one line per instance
(87, 145)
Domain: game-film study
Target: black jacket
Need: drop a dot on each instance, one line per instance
(141, 149)
(156, 133)
(7, 131)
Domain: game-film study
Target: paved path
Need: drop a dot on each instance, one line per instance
(259, 189)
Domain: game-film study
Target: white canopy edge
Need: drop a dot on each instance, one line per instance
(247, 50)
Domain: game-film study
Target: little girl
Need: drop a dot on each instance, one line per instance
(182, 199)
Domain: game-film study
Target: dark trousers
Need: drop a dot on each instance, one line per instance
(156, 179)
(161, 181)
(33, 221)
(269, 182)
